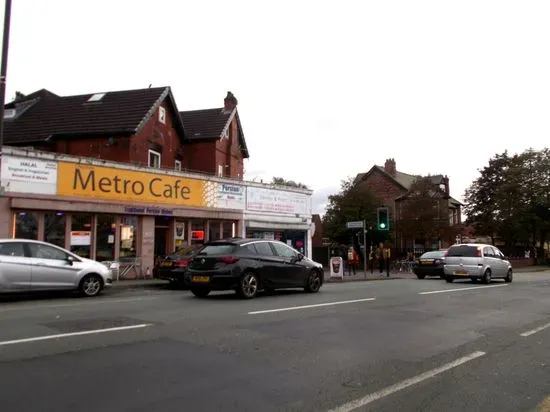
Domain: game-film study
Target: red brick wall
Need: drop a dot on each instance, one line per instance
(384, 188)
(229, 154)
(200, 157)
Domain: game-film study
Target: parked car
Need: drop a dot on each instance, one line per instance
(31, 265)
(430, 264)
(173, 267)
(250, 265)
(477, 262)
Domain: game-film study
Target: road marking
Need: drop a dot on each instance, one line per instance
(75, 304)
(318, 305)
(461, 289)
(533, 331)
(389, 390)
(68, 335)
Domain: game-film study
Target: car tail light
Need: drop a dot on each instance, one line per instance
(229, 260)
(181, 263)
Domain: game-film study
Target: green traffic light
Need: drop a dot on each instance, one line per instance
(382, 225)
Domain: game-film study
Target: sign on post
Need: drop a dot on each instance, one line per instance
(336, 267)
(355, 225)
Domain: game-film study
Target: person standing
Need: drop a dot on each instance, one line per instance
(353, 259)
(387, 257)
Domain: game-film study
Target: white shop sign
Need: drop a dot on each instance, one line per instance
(24, 175)
(224, 195)
(276, 201)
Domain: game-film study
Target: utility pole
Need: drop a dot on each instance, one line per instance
(365, 247)
(4, 69)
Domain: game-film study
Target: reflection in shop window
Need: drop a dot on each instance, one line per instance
(197, 232)
(26, 225)
(54, 228)
(105, 243)
(81, 235)
(228, 230)
(128, 233)
(214, 230)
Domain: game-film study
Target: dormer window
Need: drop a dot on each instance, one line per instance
(162, 115)
(10, 113)
(96, 97)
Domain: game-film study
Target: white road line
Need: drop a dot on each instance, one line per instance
(318, 305)
(533, 331)
(75, 304)
(68, 335)
(389, 390)
(461, 289)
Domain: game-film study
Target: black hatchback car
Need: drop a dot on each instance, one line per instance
(250, 265)
(430, 264)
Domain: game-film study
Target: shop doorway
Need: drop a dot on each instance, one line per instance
(162, 226)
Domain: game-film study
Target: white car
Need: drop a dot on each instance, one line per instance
(33, 266)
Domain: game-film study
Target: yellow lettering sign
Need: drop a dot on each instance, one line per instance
(117, 184)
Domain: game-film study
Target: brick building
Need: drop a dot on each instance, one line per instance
(392, 187)
(141, 127)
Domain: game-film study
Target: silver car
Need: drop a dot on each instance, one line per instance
(477, 262)
(31, 265)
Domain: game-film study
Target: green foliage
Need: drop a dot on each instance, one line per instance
(291, 183)
(511, 198)
(354, 202)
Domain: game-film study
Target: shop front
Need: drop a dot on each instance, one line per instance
(114, 212)
(278, 214)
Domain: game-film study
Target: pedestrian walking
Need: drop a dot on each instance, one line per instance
(353, 260)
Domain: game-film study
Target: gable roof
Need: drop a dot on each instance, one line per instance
(210, 124)
(118, 113)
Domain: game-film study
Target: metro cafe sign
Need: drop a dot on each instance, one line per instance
(108, 183)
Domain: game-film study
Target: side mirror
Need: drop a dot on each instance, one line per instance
(70, 260)
(297, 258)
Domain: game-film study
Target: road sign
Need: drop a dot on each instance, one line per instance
(355, 225)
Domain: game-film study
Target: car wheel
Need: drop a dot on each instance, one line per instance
(509, 276)
(313, 282)
(91, 285)
(487, 277)
(420, 276)
(248, 286)
(200, 292)
(449, 279)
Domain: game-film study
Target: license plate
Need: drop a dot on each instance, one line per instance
(461, 273)
(166, 264)
(200, 279)
(426, 262)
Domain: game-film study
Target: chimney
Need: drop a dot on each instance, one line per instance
(230, 102)
(389, 166)
(446, 183)
(19, 96)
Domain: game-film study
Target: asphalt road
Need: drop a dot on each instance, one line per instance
(396, 345)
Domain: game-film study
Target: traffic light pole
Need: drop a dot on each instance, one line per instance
(365, 247)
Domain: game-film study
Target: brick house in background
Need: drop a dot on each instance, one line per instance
(317, 238)
(142, 127)
(216, 137)
(392, 188)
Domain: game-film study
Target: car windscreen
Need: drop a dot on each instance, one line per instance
(433, 255)
(218, 249)
(463, 251)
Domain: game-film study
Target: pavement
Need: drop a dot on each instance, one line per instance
(404, 345)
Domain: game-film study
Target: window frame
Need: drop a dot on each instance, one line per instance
(162, 115)
(220, 170)
(155, 153)
(177, 165)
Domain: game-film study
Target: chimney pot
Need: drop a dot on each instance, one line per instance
(390, 167)
(230, 101)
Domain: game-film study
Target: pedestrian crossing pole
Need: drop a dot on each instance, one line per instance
(365, 247)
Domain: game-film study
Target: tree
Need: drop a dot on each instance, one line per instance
(424, 213)
(511, 198)
(283, 182)
(354, 202)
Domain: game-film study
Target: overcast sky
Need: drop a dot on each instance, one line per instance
(325, 89)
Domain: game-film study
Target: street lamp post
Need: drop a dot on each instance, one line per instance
(4, 69)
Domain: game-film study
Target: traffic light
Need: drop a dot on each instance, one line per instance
(383, 219)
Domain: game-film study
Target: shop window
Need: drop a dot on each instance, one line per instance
(81, 235)
(197, 232)
(105, 243)
(128, 235)
(228, 230)
(214, 232)
(26, 225)
(54, 228)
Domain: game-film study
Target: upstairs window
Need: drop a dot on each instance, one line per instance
(96, 97)
(177, 165)
(162, 115)
(220, 170)
(154, 159)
